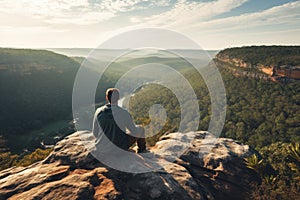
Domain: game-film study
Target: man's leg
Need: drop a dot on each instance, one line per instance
(141, 141)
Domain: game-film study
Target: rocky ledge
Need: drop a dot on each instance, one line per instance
(200, 172)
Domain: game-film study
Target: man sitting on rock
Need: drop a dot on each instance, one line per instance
(111, 122)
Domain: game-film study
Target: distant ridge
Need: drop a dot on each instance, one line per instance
(83, 52)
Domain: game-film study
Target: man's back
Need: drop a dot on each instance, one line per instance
(113, 121)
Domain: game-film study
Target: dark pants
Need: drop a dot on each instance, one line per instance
(141, 141)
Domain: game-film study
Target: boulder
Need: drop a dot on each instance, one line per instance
(193, 165)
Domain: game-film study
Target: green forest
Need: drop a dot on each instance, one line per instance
(36, 89)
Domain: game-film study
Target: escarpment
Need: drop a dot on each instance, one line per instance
(275, 63)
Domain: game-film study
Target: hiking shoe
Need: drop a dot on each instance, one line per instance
(143, 151)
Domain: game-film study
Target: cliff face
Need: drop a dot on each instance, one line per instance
(70, 172)
(261, 71)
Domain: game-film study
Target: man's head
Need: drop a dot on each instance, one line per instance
(112, 95)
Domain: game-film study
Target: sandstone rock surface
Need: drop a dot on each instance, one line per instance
(208, 168)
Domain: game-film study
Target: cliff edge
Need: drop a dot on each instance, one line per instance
(274, 63)
(71, 172)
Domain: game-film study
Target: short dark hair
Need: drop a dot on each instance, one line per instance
(112, 95)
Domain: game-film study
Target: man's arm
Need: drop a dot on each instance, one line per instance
(96, 125)
(131, 126)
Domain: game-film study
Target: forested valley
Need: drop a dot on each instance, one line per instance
(36, 89)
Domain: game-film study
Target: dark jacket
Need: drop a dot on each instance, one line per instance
(109, 127)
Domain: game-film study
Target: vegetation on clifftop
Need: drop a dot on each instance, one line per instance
(266, 55)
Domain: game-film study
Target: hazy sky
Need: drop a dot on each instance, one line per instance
(213, 24)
